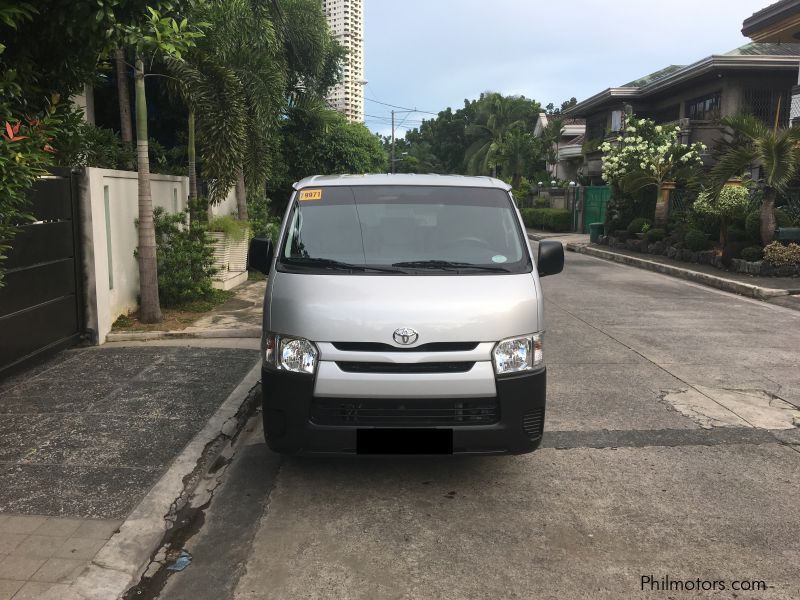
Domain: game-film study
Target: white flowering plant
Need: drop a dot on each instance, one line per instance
(648, 154)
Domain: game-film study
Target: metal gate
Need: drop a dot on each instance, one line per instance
(595, 200)
(40, 301)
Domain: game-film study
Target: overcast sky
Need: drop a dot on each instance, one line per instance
(430, 54)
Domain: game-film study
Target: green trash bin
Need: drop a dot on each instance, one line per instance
(595, 231)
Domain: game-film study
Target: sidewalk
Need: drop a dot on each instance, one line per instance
(94, 436)
(239, 317)
(565, 238)
(778, 290)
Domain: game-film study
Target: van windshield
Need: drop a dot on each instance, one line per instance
(401, 229)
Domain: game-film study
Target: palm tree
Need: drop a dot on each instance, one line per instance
(497, 116)
(776, 151)
(257, 63)
(516, 154)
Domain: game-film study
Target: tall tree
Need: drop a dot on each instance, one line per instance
(497, 116)
(775, 150)
(516, 154)
(155, 34)
(123, 96)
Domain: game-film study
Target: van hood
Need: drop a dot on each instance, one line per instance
(369, 308)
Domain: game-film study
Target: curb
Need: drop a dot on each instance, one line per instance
(728, 285)
(121, 561)
(538, 237)
(207, 334)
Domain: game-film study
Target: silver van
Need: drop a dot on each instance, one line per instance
(403, 315)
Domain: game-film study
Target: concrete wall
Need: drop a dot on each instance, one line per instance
(227, 206)
(109, 208)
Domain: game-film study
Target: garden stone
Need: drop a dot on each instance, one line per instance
(657, 248)
(672, 252)
(754, 268)
(686, 255)
(738, 265)
(785, 271)
(705, 257)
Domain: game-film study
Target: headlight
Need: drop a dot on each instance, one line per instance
(297, 355)
(516, 355)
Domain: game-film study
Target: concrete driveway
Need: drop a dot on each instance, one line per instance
(670, 464)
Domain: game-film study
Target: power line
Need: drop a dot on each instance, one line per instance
(426, 112)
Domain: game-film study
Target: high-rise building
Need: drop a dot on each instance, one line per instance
(346, 20)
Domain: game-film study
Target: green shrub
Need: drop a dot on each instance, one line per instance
(231, 226)
(753, 223)
(541, 202)
(778, 254)
(262, 223)
(695, 240)
(782, 219)
(639, 224)
(551, 219)
(735, 234)
(655, 235)
(185, 259)
(752, 253)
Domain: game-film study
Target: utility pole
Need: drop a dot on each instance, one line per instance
(392, 171)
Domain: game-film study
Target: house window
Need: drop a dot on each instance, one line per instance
(616, 120)
(763, 104)
(669, 114)
(705, 108)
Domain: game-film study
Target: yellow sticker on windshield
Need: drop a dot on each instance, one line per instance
(310, 195)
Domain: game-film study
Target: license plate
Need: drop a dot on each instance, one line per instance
(404, 441)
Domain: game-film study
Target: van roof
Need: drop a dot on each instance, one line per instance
(402, 179)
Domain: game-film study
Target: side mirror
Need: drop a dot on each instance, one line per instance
(551, 258)
(259, 255)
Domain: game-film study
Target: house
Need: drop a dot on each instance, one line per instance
(566, 147)
(778, 23)
(756, 78)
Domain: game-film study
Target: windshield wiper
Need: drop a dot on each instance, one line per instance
(329, 263)
(447, 265)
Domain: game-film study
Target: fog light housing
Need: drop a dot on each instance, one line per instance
(519, 354)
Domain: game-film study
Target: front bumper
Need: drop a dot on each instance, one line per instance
(289, 428)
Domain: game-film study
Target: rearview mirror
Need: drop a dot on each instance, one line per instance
(259, 255)
(551, 258)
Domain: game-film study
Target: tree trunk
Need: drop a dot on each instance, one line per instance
(241, 195)
(516, 180)
(723, 232)
(149, 306)
(194, 209)
(768, 216)
(124, 97)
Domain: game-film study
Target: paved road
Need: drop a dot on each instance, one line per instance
(669, 453)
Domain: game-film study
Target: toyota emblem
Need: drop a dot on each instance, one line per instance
(405, 336)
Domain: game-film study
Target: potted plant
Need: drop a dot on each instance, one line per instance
(229, 237)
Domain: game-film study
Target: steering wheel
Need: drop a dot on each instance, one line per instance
(473, 241)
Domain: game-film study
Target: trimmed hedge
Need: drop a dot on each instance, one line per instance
(551, 219)
(695, 240)
(655, 235)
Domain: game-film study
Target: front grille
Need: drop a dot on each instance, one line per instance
(430, 367)
(431, 347)
(416, 412)
(533, 423)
